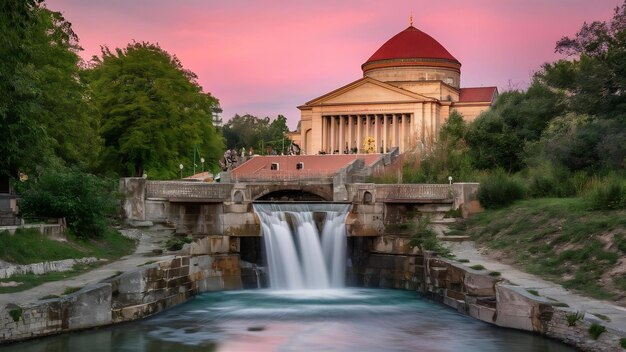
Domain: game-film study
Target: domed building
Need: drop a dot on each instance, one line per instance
(410, 86)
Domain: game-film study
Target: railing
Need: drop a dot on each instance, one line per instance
(185, 189)
(287, 175)
(414, 191)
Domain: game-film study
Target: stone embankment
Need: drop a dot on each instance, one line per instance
(392, 264)
(132, 295)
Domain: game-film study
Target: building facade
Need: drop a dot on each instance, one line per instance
(410, 86)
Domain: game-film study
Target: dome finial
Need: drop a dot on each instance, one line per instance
(411, 19)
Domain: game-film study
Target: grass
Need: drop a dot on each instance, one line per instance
(477, 267)
(70, 290)
(533, 292)
(29, 246)
(31, 280)
(595, 330)
(573, 318)
(495, 273)
(560, 240)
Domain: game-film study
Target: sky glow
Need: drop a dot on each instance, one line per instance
(267, 57)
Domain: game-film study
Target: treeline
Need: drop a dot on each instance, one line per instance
(127, 112)
(263, 135)
(70, 128)
(563, 136)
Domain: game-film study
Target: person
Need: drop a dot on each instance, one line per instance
(243, 152)
(250, 152)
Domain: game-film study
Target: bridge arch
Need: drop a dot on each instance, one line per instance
(291, 192)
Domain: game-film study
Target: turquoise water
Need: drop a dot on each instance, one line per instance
(312, 320)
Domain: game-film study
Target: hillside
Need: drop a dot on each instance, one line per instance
(559, 240)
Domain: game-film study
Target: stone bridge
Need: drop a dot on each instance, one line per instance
(225, 209)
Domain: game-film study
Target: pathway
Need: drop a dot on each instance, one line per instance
(149, 240)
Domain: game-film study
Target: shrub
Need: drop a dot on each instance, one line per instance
(477, 267)
(574, 318)
(86, 201)
(16, 314)
(426, 239)
(622, 342)
(595, 330)
(499, 189)
(608, 193)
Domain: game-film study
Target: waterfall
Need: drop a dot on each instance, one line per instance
(297, 256)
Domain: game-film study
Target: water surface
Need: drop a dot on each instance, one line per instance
(310, 320)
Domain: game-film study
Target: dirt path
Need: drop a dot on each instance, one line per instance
(600, 309)
(149, 240)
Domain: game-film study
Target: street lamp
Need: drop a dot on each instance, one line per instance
(181, 170)
(202, 161)
(450, 180)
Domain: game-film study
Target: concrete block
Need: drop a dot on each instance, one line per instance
(479, 284)
(89, 307)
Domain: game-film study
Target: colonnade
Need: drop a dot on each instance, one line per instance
(345, 134)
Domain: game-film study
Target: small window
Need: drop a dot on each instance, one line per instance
(300, 166)
(275, 166)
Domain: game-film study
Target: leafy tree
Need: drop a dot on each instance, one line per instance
(259, 133)
(44, 113)
(448, 157)
(84, 200)
(498, 137)
(153, 112)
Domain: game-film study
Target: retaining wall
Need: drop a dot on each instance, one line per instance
(133, 295)
(391, 263)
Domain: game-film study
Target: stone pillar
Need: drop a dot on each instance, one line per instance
(427, 136)
(359, 134)
(377, 132)
(403, 133)
(342, 136)
(350, 133)
(332, 134)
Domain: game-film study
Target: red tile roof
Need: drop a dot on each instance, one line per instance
(411, 43)
(479, 94)
(313, 165)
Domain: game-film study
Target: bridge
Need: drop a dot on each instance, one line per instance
(225, 209)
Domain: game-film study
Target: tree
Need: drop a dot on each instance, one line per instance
(153, 112)
(44, 113)
(250, 131)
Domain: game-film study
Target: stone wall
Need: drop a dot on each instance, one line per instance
(390, 263)
(43, 267)
(133, 295)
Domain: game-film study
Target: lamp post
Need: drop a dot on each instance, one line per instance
(450, 180)
(181, 170)
(202, 162)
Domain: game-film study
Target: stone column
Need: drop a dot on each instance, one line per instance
(350, 133)
(376, 133)
(332, 135)
(403, 133)
(340, 140)
(359, 134)
(384, 125)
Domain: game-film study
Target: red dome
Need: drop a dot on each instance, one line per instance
(411, 43)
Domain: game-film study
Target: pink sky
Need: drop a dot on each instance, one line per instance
(267, 57)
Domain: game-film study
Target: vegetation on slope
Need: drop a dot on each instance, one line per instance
(561, 240)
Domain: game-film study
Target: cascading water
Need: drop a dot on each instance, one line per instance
(297, 258)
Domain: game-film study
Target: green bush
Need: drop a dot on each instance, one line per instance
(573, 318)
(499, 189)
(549, 180)
(426, 239)
(608, 193)
(86, 201)
(595, 330)
(622, 342)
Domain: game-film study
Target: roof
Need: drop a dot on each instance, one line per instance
(411, 43)
(313, 166)
(478, 94)
(361, 82)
